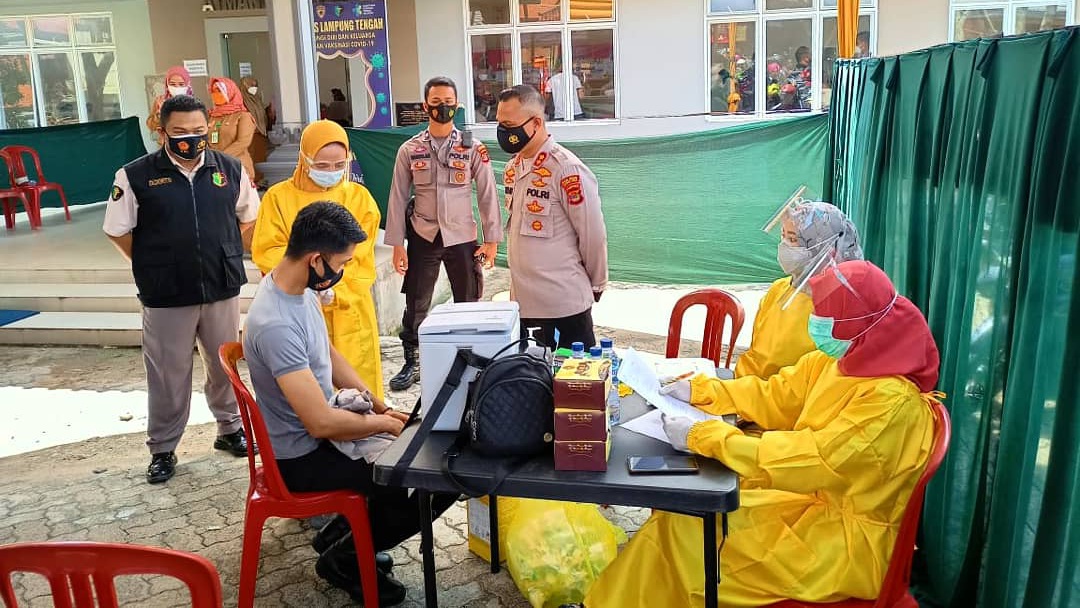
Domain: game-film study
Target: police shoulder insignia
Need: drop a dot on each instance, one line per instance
(219, 179)
(571, 185)
(482, 150)
(117, 192)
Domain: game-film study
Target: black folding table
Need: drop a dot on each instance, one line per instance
(713, 491)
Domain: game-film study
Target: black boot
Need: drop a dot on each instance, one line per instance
(338, 566)
(334, 531)
(410, 372)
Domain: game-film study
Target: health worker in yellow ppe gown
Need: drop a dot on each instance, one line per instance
(812, 235)
(849, 430)
(322, 174)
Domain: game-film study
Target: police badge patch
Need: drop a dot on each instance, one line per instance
(116, 193)
(219, 179)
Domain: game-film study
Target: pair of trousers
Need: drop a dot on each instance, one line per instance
(169, 336)
(462, 268)
(394, 512)
(575, 328)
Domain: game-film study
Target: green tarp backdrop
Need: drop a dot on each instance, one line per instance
(82, 158)
(679, 209)
(960, 166)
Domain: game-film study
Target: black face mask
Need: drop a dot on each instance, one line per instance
(514, 139)
(187, 147)
(442, 113)
(322, 282)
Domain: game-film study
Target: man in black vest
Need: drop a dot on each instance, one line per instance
(179, 215)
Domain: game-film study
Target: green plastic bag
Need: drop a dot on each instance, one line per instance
(555, 550)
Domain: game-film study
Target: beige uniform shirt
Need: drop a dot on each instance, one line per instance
(557, 239)
(441, 180)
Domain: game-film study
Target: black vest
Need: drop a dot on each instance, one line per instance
(186, 246)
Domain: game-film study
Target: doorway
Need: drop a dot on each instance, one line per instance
(248, 54)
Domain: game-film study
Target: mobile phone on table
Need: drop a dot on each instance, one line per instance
(671, 464)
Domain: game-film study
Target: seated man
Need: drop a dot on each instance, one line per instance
(295, 370)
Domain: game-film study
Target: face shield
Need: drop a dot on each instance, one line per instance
(774, 225)
(800, 261)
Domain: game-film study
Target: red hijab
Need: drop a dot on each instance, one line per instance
(177, 70)
(893, 343)
(232, 92)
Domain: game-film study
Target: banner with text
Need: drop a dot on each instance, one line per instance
(358, 30)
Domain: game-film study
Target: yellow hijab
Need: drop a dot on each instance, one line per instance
(315, 137)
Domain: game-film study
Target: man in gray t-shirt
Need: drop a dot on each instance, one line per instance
(295, 370)
(286, 333)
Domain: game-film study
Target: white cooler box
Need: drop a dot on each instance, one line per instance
(485, 327)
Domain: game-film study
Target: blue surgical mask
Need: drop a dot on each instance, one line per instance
(326, 179)
(821, 332)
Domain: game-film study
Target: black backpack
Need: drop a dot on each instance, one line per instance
(509, 414)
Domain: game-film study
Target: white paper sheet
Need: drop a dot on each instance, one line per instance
(639, 373)
(648, 425)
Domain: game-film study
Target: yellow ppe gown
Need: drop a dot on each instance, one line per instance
(350, 318)
(780, 337)
(821, 500)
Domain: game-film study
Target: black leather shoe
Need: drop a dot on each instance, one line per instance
(337, 566)
(162, 467)
(409, 374)
(233, 443)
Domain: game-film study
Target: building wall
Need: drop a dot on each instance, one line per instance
(909, 25)
(404, 59)
(440, 42)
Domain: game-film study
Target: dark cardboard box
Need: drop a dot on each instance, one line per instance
(581, 425)
(583, 384)
(582, 455)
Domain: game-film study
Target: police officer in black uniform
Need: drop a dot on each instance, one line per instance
(179, 216)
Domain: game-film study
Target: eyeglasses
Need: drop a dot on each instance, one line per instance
(327, 166)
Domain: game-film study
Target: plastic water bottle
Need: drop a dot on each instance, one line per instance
(607, 347)
(577, 350)
(595, 353)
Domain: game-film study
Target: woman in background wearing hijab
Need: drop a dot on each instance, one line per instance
(231, 125)
(813, 233)
(849, 430)
(322, 174)
(260, 141)
(177, 82)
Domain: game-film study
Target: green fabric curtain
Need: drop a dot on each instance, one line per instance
(82, 158)
(960, 165)
(679, 209)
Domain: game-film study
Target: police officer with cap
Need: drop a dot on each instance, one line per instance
(439, 166)
(179, 216)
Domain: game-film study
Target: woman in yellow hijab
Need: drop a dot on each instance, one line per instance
(322, 175)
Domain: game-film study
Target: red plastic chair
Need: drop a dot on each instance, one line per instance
(86, 569)
(9, 193)
(17, 169)
(895, 590)
(268, 496)
(721, 305)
